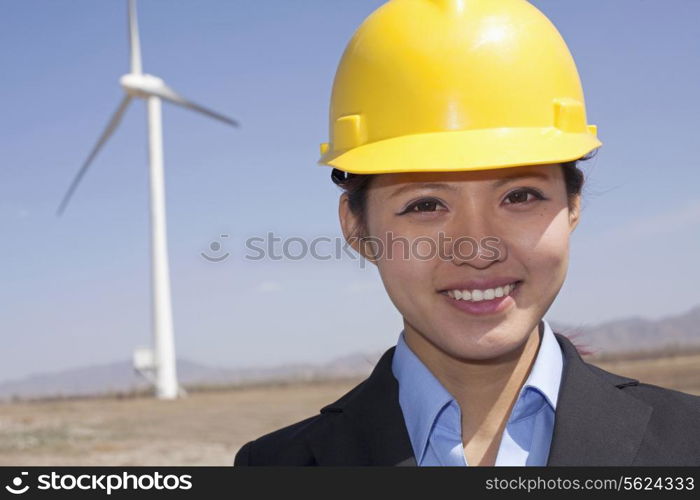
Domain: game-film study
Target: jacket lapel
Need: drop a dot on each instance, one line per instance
(596, 422)
(371, 416)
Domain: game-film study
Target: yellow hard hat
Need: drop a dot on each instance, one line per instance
(446, 85)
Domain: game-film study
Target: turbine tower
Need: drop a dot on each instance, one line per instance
(152, 89)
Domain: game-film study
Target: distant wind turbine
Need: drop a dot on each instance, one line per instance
(152, 89)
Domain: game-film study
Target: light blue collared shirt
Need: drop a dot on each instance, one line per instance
(433, 417)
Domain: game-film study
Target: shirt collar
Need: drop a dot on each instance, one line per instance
(545, 375)
(422, 397)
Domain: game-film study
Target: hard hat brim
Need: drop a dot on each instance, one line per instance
(464, 150)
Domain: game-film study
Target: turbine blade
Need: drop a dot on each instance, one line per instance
(111, 126)
(169, 94)
(134, 42)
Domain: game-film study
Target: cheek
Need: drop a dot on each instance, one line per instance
(407, 268)
(545, 252)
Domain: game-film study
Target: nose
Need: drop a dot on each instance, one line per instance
(475, 240)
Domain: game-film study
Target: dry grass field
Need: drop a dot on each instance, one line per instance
(207, 428)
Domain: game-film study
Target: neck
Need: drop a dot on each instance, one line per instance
(485, 390)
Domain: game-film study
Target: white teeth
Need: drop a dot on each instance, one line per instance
(479, 295)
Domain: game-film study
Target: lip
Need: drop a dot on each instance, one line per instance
(481, 284)
(496, 305)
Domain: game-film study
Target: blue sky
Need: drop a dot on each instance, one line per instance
(76, 290)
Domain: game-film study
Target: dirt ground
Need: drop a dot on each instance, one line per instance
(206, 428)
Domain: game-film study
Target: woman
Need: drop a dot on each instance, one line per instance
(456, 129)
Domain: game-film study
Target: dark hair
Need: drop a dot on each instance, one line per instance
(357, 185)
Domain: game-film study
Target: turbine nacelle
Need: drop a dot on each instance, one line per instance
(145, 85)
(142, 85)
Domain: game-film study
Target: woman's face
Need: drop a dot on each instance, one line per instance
(472, 260)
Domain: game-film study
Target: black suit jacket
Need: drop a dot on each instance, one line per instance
(601, 419)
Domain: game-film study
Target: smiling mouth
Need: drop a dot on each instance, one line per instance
(477, 295)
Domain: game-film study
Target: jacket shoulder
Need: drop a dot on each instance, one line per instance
(285, 446)
(291, 445)
(672, 434)
(664, 401)
(669, 400)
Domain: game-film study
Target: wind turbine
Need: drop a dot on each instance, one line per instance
(137, 84)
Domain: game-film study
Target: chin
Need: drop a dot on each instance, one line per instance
(496, 343)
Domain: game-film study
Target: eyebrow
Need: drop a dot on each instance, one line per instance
(423, 185)
(516, 177)
(448, 187)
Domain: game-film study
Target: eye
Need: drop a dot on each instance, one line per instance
(521, 196)
(424, 205)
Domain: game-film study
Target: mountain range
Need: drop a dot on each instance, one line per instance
(623, 338)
